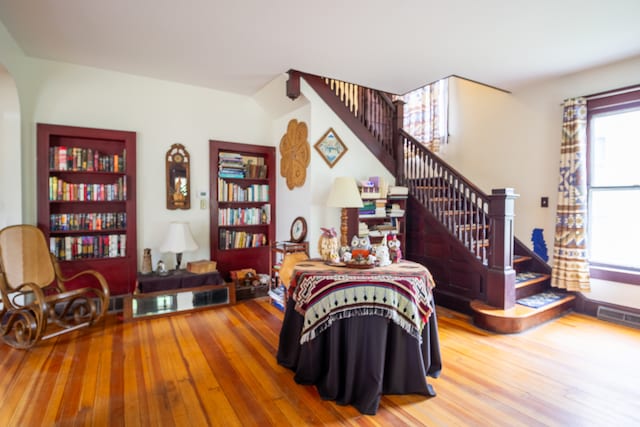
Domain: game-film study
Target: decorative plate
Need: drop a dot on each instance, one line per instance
(362, 266)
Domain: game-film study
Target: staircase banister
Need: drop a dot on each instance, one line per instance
(318, 84)
(444, 164)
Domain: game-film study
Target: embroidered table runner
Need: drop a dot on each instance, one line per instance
(324, 293)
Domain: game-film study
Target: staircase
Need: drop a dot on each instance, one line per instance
(464, 236)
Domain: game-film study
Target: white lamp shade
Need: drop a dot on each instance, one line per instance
(178, 239)
(344, 193)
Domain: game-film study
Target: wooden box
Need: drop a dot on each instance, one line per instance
(202, 266)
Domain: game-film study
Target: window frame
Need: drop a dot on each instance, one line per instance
(618, 100)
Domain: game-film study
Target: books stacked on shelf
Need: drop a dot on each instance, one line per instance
(230, 165)
(84, 247)
(80, 159)
(398, 192)
(60, 190)
(254, 167)
(245, 216)
(372, 208)
(88, 221)
(379, 230)
(229, 239)
(231, 192)
(394, 210)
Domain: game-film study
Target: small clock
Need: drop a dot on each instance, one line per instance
(298, 229)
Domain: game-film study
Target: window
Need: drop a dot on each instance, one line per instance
(614, 186)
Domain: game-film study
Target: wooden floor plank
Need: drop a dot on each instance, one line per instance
(218, 367)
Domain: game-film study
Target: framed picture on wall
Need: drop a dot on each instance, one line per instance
(330, 147)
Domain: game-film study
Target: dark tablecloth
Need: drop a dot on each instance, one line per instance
(358, 359)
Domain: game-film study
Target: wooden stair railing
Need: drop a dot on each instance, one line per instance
(482, 223)
(370, 114)
(455, 202)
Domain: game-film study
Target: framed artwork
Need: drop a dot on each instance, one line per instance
(331, 147)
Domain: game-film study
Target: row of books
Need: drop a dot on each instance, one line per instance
(379, 230)
(245, 216)
(229, 239)
(62, 190)
(373, 208)
(230, 192)
(86, 247)
(235, 165)
(88, 221)
(63, 158)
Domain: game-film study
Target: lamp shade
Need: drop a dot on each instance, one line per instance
(178, 239)
(344, 193)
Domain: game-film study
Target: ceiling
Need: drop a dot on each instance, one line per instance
(394, 45)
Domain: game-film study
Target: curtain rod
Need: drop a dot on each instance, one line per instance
(612, 92)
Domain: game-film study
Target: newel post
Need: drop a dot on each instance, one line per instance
(398, 149)
(501, 278)
(293, 85)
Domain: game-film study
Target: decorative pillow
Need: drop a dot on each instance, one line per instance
(289, 261)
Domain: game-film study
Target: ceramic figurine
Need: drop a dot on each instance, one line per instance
(395, 253)
(328, 244)
(382, 255)
(360, 246)
(146, 262)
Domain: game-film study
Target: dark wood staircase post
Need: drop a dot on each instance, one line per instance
(398, 121)
(501, 277)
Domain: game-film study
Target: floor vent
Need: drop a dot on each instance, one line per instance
(619, 316)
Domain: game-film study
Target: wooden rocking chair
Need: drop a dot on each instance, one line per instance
(36, 305)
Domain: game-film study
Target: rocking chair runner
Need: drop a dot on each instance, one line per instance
(36, 305)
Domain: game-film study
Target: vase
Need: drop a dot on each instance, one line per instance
(146, 262)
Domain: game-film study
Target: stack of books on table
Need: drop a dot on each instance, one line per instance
(277, 297)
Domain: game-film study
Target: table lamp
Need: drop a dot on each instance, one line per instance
(344, 194)
(177, 240)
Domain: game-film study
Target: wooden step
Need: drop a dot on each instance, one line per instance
(531, 283)
(527, 278)
(519, 259)
(474, 227)
(520, 317)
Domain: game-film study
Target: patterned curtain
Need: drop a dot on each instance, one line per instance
(425, 114)
(570, 264)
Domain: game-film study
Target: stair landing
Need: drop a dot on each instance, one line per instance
(520, 317)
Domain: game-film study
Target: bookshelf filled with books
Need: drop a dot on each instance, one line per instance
(382, 213)
(242, 221)
(86, 201)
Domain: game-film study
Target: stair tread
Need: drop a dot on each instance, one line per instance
(527, 278)
(518, 310)
(520, 258)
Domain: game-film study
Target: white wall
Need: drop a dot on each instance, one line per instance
(513, 140)
(10, 171)
(161, 113)
(309, 201)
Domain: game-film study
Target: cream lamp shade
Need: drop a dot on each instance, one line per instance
(178, 240)
(344, 194)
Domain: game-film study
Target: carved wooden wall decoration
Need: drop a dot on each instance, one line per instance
(296, 154)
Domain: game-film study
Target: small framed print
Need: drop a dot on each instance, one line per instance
(331, 147)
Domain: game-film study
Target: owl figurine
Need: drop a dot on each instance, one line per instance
(395, 253)
(360, 247)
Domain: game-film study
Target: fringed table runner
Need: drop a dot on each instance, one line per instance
(400, 292)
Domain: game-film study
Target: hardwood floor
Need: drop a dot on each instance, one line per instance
(218, 367)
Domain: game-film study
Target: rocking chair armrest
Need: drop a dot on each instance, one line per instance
(101, 280)
(40, 298)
